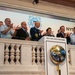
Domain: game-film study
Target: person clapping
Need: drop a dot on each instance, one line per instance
(35, 32)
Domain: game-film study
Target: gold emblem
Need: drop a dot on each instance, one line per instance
(36, 35)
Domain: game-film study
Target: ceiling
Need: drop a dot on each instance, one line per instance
(70, 3)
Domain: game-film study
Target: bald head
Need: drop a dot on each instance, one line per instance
(37, 24)
(24, 25)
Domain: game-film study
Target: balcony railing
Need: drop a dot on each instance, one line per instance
(20, 57)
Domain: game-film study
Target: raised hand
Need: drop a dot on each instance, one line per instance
(11, 25)
(41, 31)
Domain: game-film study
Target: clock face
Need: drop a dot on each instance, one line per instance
(57, 54)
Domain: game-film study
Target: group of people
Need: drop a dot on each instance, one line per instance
(70, 37)
(6, 31)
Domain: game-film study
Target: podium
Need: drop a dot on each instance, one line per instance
(50, 67)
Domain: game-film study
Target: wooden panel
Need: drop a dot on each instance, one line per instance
(70, 3)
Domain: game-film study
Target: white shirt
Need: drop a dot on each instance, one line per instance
(8, 34)
(72, 37)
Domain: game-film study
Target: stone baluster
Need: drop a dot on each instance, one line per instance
(6, 54)
(33, 55)
(17, 54)
(38, 55)
(12, 54)
(42, 55)
(69, 57)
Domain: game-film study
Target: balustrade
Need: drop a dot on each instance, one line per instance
(37, 55)
(6, 53)
(12, 53)
(26, 56)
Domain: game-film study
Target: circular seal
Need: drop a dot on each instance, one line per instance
(57, 54)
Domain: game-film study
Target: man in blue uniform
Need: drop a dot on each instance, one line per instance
(35, 32)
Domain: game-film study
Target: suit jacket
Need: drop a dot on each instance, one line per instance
(60, 35)
(68, 40)
(21, 34)
(35, 34)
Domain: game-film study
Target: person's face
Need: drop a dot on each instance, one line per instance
(8, 22)
(62, 29)
(37, 24)
(49, 31)
(1, 23)
(24, 25)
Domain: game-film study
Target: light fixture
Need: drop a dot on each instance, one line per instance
(35, 1)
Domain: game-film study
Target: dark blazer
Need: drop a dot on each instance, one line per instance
(35, 34)
(21, 34)
(68, 39)
(60, 35)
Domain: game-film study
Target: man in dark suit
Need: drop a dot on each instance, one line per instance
(62, 33)
(35, 32)
(22, 33)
